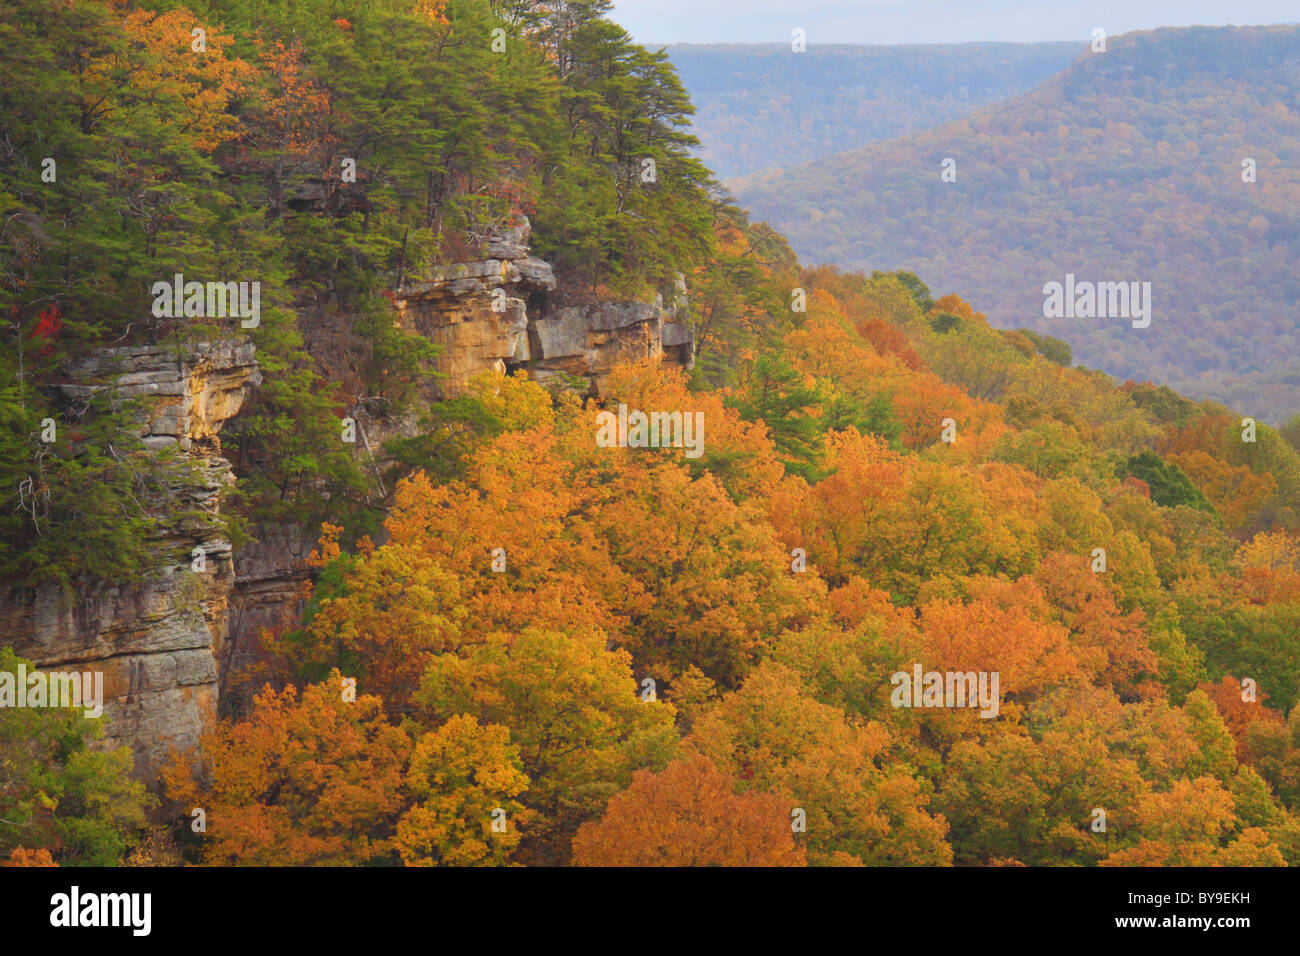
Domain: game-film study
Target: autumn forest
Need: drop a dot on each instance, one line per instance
(366, 584)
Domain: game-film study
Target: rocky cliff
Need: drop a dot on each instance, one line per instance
(156, 640)
(166, 643)
(499, 313)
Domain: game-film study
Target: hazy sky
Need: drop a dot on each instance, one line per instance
(926, 21)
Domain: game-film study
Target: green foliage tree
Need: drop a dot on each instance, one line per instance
(774, 393)
(1169, 486)
(60, 789)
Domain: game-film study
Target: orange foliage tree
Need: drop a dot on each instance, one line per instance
(689, 814)
(307, 780)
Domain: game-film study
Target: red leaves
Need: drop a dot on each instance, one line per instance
(48, 326)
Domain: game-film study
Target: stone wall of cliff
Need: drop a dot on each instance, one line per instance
(499, 313)
(156, 641)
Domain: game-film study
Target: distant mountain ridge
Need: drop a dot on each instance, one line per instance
(1128, 166)
(760, 106)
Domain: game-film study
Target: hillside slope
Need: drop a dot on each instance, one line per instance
(1127, 167)
(760, 106)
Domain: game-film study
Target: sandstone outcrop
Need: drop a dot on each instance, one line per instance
(478, 311)
(498, 314)
(156, 641)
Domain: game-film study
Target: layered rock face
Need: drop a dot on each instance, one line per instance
(589, 340)
(156, 641)
(270, 572)
(478, 311)
(496, 314)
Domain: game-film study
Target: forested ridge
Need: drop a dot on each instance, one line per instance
(759, 108)
(1169, 158)
(530, 648)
